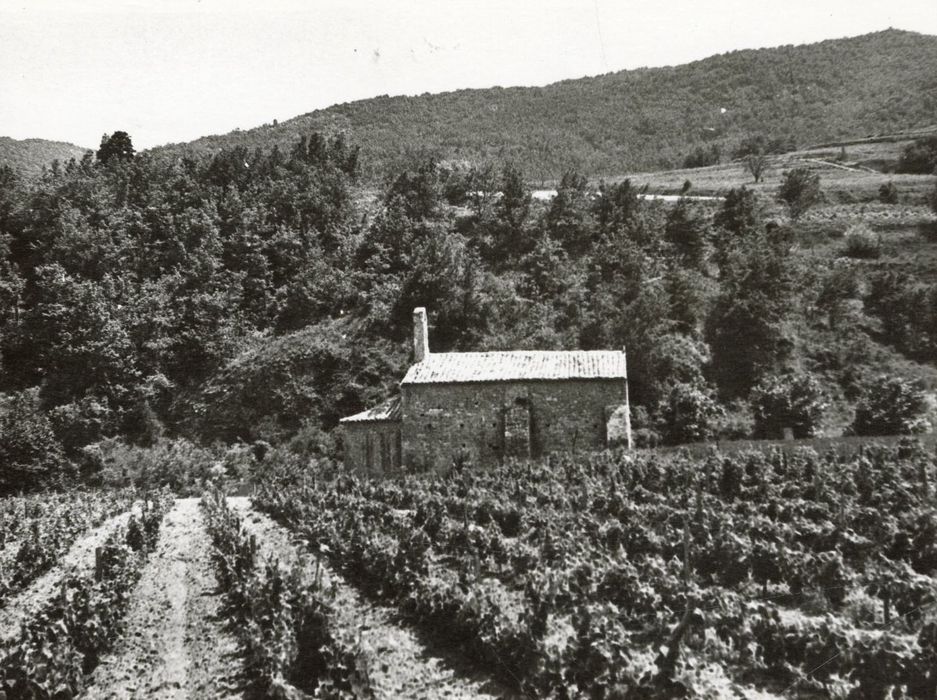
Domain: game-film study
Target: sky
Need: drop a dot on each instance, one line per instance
(173, 70)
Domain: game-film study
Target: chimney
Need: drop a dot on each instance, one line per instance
(420, 335)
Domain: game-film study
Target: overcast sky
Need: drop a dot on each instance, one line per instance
(173, 70)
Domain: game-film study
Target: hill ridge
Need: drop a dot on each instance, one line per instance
(638, 119)
(29, 156)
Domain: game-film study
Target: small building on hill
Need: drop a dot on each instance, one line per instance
(481, 408)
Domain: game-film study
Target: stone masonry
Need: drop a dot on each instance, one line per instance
(480, 409)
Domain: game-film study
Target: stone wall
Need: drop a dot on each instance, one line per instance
(372, 447)
(485, 421)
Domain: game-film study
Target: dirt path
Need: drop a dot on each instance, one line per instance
(175, 644)
(399, 664)
(79, 560)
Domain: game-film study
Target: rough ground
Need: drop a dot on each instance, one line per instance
(175, 644)
(399, 664)
(79, 559)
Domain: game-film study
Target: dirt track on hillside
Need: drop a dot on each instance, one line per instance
(175, 643)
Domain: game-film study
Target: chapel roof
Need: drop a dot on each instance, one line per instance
(387, 411)
(462, 367)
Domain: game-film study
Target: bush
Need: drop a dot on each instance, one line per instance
(30, 455)
(703, 156)
(862, 242)
(736, 422)
(688, 414)
(790, 400)
(920, 157)
(82, 422)
(177, 464)
(268, 393)
(800, 190)
(891, 406)
(888, 193)
(643, 430)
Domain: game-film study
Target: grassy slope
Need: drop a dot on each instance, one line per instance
(854, 179)
(29, 156)
(647, 118)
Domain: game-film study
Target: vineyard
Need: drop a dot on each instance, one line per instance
(624, 576)
(613, 575)
(57, 621)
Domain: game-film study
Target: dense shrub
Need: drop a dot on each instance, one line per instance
(703, 156)
(644, 431)
(30, 455)
(80, 423)
(736, 422)
(862, 242)
(269, 393)
(800, 190)
(177, 464)
(919, 157)
(891, 406)
(792, 400)
(759, 143)
(888, 193)
(689, 414)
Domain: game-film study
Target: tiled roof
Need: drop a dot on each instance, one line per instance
(387, 411)
(459, 367)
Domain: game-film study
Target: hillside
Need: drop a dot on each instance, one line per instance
(29, 156)
(850, 173)
(649, 118)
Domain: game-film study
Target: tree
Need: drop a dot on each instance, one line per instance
(748, 328)
(739, 214)
(756, 163)
(689, 414)
(81, 343)
(11, 287)
(116, 147)
(687, 232)
(30, 455)
(800, 190)
(510, 237)
(514, 206)
(667, 359)
(838, 287)
(790, 400)
(568, 219)
(891, 406)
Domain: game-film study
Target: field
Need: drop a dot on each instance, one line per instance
(751, 575)
(851, 173)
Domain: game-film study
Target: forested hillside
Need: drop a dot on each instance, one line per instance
(30, 156)
(262, 295)
(642, 119)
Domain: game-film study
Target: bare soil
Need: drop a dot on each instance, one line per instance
(400, 664)
(79, 560)
(175, 642)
